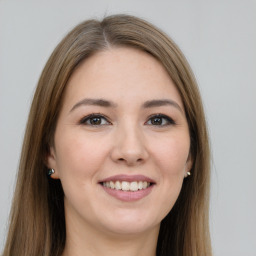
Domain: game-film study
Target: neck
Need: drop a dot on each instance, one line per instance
(84, 240)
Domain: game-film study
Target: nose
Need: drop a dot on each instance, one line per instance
(129, 146)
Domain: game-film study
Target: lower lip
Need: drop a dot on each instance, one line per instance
(128, 196)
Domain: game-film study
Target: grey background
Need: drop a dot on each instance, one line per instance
(219, 39)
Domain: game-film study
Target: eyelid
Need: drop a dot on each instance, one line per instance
(84, 119)
(93, 115)
(168, 118)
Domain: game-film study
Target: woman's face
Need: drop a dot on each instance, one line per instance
(122, 143)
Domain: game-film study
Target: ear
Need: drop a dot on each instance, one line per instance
(188, 165)
(51, 162)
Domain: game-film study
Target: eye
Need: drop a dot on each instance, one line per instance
(95, 120)
(160, 120)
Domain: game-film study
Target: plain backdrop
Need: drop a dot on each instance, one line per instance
(218, 38)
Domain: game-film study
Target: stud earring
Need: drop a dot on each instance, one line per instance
(188, 173)
(50, 172)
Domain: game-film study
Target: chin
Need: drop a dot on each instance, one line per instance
(131, 223)
(131, 229)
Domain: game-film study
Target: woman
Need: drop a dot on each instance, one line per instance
(117, 125)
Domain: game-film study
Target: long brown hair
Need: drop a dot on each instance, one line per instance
(37, 222)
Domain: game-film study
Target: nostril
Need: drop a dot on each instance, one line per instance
(123, 160)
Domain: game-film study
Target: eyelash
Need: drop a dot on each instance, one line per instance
(84, 120)
(169, 121)
(94, 115)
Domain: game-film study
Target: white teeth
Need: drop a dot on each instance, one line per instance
(127, 186)
(118, 185)
(144, 184)
(140, 185)
(134, 186)
(112, 184)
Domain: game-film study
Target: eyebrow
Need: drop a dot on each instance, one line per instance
(107, 103)
(160, 103)
(94, 102)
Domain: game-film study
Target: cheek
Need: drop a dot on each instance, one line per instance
(79, 156)
(79, 161)
(172, 155)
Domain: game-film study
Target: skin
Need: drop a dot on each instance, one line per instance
(128, 141)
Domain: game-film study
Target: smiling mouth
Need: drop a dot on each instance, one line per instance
(128, 188)
(126, 185)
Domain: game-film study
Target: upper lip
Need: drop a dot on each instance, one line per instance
(129, 178)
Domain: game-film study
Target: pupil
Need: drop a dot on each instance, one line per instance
(96, 120)
(157, 121)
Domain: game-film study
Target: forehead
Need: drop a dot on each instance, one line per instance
(125, 74)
